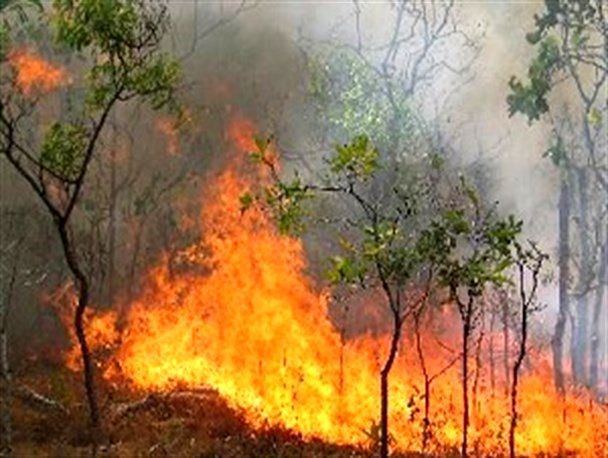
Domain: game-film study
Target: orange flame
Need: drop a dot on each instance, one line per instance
(100, 327)
(34, 73)
(249, 323)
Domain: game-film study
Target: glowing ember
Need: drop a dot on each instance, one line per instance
(249, 323)
(34, 73)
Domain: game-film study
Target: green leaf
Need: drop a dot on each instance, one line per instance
(246, 201)
(358, 158)
(63, 149)
(344, 270)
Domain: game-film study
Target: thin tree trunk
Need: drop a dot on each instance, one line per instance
(6, 429)
(6, 379)
(478, 364)
(491, 352)
(466, 333)
(518, 362)
(82, 285)
(426, 421)
(112, 227)
(505, 342)
(597, 313)
(557, 342)
(384, 373)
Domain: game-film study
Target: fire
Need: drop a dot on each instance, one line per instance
(34, 73)
(101, 328)
(243, 317)
(167, 127)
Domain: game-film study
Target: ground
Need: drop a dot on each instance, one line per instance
(181, 423)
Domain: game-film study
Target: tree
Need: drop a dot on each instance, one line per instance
(571, 38)
(528, 262)
(9, 275)
(120, 41)
(400, 248)
(380, 242)
(428, 378)
(471, 249)
(379, 84)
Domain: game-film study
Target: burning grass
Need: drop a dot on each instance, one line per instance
(245, 320)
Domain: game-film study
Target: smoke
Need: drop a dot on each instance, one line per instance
(253, 63)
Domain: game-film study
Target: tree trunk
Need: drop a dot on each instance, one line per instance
(426, 421)
(384, 373)
(557, 342)
(6, 427)
(517, 366)
(491, 353)
(478, 365)
(82, 285)
(6, 379)
(466, 333)
(597, 314)
(112, 227)
(581, 336)
(505, 342)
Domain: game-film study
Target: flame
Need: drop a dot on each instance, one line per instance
(100, 327)
(245, 319)
(167, 127)
(34, 73)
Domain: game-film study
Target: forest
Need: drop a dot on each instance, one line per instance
(250, 228)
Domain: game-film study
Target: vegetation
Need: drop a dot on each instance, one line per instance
(121, 41)
(357, 283)
(568, 38)
(400, 247)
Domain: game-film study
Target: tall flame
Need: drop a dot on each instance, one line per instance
(245, 319)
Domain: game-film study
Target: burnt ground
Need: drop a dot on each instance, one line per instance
(177, 424)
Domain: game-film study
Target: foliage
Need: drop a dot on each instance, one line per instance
(565, 36)
(470, 253)
(557, 151)
(530, 98)
(351, 99)
(123, 38)
(63, 150)
(119, 41)
(467, 247)
(358, 158)
(286, 200)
